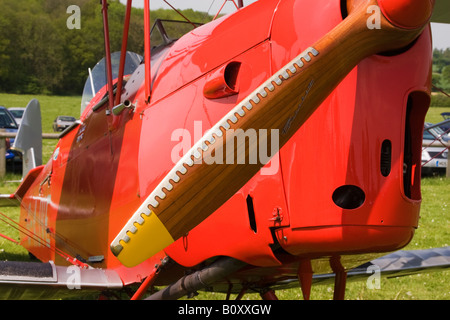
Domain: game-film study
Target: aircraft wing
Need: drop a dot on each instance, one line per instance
(397, 264)
(13, 200)
(406, 262)
(8, 200)
(45, 281)
(441, 13)
(35, 280)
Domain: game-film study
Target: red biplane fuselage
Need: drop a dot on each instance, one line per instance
(345, 188)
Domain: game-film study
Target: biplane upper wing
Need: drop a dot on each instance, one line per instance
(441, 13)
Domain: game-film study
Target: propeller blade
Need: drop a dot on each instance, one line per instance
(29, 137)
(197, 186)
(441, 13)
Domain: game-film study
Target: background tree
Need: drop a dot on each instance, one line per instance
(39, 54)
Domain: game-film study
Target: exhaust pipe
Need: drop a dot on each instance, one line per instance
(199, 280)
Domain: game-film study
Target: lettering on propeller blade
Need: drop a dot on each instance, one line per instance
(287, 126)
(74, 21)
(374, 21)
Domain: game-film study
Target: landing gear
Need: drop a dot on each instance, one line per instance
(305, 278)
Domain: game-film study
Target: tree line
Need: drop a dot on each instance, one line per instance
(441, 68)
(40, 54)
(441, 78)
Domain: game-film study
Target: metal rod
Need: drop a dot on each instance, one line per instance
(220, 9)
(217, 14)
(108, 53)
(147, 54)
(123, 53)
(147, 283)
(92, 82)
(2, 155)
(8, 238)
(44, 135)
(177, 11)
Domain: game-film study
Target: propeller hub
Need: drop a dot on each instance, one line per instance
(407, 14)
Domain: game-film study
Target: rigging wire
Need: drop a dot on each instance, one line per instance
(209, 9)
(177, 11)
(44, 243)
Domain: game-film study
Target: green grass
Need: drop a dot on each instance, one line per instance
(9, 250)
(433, 232)
(433, 228)
(51, 107)
(434, 114)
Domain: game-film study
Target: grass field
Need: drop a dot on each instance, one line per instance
(433, 228)
(51, 107)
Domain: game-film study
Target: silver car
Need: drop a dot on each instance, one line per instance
(62, 122)
(17, 114)
(435, 149)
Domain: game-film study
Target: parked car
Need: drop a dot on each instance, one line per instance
(62, 122)
(17, 114)
(445, 125)
(7, 120)
(9, 124)
(435, 149)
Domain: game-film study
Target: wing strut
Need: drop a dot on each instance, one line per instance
(123, 53)
(108, 54)
(147, 54)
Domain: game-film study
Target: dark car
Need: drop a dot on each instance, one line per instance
(62, 122)
(445, 125)
(9, 124)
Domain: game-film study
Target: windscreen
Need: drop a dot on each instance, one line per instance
(97, 76)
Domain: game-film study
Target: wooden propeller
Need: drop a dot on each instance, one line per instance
(199, 184)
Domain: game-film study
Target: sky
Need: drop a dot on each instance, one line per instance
(441, 32)
(210, 6)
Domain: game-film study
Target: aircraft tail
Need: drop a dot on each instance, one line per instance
(29, 137)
